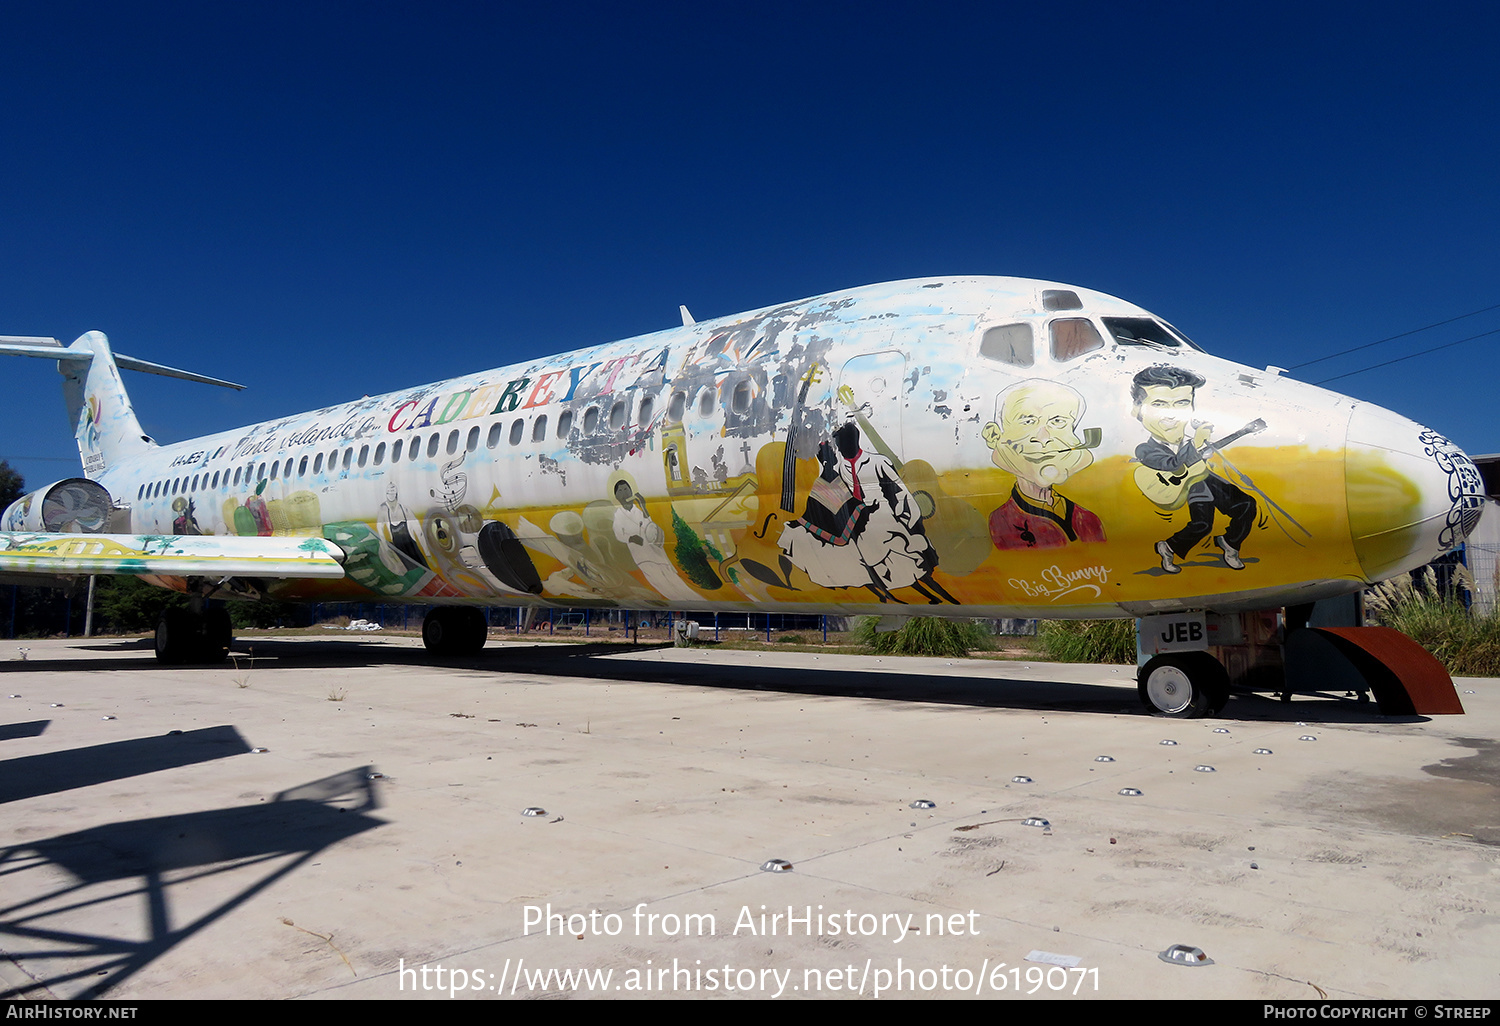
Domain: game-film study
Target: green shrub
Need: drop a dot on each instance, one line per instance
(923, 636)
(1087, 641)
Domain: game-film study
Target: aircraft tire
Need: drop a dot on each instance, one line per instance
(218, 635)
(475, 630)
(1183, 685)
(181, 638)
(454, 631)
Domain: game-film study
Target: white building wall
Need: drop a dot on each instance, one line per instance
(1483, 556)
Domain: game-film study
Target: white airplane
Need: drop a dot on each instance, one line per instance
(982, 446)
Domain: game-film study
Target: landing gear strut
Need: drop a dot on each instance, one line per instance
(454, 631)
(1185, 685)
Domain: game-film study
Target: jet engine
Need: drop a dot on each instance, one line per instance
(75, 505)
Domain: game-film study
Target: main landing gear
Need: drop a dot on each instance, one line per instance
(454, 631)
(1185, 685)
(188, 636)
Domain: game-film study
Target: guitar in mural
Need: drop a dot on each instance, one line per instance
(1169, 489)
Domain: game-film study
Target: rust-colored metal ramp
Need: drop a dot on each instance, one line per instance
(1404, 677)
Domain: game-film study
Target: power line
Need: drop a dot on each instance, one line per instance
(1413, 356)
(1392, 338)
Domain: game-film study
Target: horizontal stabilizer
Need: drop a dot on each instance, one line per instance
(170, 555)
(43, 348)
(131, 363)
(51, 349)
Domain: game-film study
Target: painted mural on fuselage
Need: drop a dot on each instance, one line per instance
(934, 443)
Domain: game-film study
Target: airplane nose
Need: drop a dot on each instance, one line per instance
(1413, 495)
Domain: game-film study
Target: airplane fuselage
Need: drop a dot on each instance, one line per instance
(973, 446)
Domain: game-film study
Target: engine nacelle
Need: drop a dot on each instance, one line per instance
(75, 505)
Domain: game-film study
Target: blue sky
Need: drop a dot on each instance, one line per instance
(325, 200)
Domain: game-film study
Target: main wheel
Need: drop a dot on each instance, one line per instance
(186, 637)
(218, 635)
(1185, 685)
(176, 637)
(454, 631)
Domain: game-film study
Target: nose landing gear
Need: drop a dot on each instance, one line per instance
(1184, 685)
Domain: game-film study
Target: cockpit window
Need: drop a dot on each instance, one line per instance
(1146, 331)
(1074, 336)
(1009, 343)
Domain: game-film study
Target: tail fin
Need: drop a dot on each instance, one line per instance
(104, 423)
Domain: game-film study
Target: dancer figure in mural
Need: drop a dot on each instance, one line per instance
(860, 528)
(893, 544)
(1174, 470)
(1037, 440)
(647, 543)
(820, 543)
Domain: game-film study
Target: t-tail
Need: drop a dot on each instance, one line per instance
(104, 423)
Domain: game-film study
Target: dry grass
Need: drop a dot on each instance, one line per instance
(1467, 644)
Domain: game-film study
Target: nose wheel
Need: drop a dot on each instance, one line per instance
(1183, 685)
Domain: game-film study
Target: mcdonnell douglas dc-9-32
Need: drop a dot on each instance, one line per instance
(961, 447)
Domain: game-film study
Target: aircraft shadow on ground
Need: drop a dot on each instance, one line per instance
(30, 728)
(591, 660)
(954, 689)
(144, 860)
(48, 773)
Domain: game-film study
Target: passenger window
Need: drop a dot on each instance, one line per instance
(643, 412)
(517, 430)
(395, 451)
(617, 416)
(564, 423)
(590, 420)
(494, 436)
(379, 459)
(348, 456)
(1009, 343)
(677, 406)
(539, 429)
(741, 402)
(317, 466)
(1074, 336)
(473, 442)
(432, 444)
(452, 442)
(364, 454)
(706, 402)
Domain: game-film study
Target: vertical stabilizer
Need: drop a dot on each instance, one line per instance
(104, 422)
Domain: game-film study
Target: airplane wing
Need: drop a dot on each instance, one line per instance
(169, 555)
